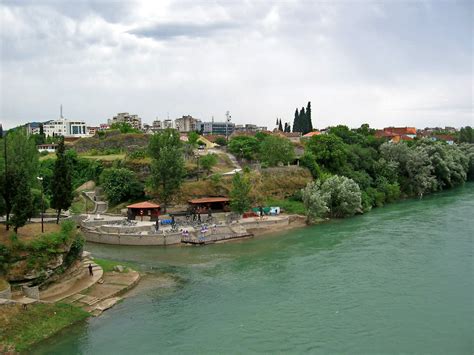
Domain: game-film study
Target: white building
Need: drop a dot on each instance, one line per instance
(125, 117)
(186, 124)
(66, 128)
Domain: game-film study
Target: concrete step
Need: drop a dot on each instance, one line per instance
(89, 300)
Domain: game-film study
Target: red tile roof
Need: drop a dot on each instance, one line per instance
(310, 134)
(209, 200)
(145, 204)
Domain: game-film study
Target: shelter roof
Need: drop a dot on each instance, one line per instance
(145, 204)
(209, 200)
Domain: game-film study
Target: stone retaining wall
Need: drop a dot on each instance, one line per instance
(6, 293)
(131, 239)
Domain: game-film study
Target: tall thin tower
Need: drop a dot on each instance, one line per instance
(61, 111)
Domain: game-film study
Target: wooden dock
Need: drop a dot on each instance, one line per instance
(211, 239)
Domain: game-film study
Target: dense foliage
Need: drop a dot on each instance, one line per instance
(337, 196)
(167, 167)
(240, 194)
(121, 185)
(384, 171)
(62, 187)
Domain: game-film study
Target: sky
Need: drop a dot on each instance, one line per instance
(402, 63)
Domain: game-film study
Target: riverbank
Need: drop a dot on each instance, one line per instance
(67, 304)
(23, 327)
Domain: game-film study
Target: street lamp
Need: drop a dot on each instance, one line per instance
(40, 178)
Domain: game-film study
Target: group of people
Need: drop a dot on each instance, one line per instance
(195, 214)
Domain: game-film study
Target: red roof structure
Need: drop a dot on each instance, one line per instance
(208, 200)
(143, 205)
(310, 134)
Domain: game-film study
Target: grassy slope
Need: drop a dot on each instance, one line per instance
(20, 328)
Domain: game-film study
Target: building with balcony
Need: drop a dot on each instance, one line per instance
(125, 117)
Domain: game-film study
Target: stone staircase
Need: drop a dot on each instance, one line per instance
(100, 206)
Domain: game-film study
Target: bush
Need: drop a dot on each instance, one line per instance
(121, 185)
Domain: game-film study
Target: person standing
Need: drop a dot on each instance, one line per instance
(91, 273)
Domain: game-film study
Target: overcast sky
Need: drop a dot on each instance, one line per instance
(383, 62)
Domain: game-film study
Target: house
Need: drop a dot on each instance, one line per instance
(443, 137)
(311, 134)
(50, 148)
(146, 209)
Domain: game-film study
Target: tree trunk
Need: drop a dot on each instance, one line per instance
(57, 216)
(7, 220)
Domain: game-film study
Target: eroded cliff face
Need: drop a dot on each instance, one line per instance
(42, 260)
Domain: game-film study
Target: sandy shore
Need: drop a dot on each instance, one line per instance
(296, 221)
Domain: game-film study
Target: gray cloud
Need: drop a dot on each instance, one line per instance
(383, 63)
(165, 31)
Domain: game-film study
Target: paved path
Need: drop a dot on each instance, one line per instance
(75, 285)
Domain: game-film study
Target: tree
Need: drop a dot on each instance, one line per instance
(193, 138)
(62, 187)
(288, 127)
(221, 141)
(120, 185)
(303, 123)
(280, 127)
(19, 158)
(315, 201)
(208, 161)
(296, 122)
(330, 152)
(275, 150)
(245, 147)
(240, 193)
(309, 123)
(124, 127)
(167, 167)
(466, 135)
(22, 207)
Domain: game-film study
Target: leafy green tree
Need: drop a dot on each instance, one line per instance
(193, 138)
(124, 127)
(303, 121)
(121, 185)
(345, 196)
(167, 167)
(245, 147)
(240, 194)
(308, 160)
(275, 150)
(221, 141)
(315, 201)
(466, 135)
(21, 159)
(62, 187)
(280, 127)
(330, 152)
(207, 162)
(22, 207)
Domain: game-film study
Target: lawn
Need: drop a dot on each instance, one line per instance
(109, 157)
(288, 206)
(27, 232)
(21, 328)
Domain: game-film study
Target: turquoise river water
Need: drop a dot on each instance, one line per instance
(396, 280)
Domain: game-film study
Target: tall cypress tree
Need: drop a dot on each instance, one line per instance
(296, 122)
(308, 117)
(62, 188)
(302, 119)
(280, 127)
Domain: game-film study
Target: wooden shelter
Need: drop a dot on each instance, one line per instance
(215, 203)
(143, 209)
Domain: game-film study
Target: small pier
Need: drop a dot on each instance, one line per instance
(211, 239)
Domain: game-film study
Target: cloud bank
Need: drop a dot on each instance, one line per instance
(400, 63)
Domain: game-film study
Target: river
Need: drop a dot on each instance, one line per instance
(396, 280)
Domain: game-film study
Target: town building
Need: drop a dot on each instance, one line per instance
(216, 128)
(167, 124)
(186, 123)
(66, 128)
(92, 130)
(125, 117)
